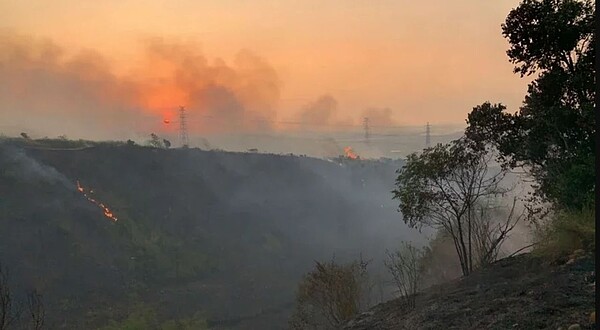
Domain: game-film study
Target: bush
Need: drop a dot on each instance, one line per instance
(331, 295)
(405, 267)
(565, 232)
(439, 263)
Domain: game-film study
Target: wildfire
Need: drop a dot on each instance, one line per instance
(350, 153)
(107, 212)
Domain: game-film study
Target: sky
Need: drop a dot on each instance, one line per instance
(98, 68)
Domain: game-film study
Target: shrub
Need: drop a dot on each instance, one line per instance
(565, 232)
(330, 295)
(439, 263)
(405, 267)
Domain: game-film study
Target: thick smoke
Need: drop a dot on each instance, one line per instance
(43, 90)
(49, 91)
(222, 98)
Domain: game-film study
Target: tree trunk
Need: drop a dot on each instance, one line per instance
(463, 248)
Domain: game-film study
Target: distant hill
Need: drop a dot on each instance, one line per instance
(226, 234)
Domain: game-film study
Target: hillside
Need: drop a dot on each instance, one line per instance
(520, 292)
(226, 235)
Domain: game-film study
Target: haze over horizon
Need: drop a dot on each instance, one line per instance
(120, 69)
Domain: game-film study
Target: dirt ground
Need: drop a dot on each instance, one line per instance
(520, 292)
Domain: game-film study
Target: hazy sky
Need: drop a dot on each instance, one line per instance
(403, 62)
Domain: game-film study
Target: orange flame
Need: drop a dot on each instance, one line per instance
(350, 153)
(107, 212)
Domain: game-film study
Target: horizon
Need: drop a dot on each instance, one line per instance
(240, 68)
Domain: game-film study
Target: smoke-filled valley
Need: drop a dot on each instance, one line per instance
(224, 234)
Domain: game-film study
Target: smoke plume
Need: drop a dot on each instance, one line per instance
(379, 116)
(321, 114)
(47, 90)
(18, 164)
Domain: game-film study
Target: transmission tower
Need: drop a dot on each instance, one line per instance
(427, 135)
(183, 135)
(366, 128)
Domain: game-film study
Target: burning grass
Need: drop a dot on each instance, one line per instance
(107, 212)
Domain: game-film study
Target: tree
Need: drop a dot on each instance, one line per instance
(166, 143)
(330, 295)
(552, 134)
(444, 187)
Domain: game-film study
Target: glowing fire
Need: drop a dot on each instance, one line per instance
(350, 153)
(107, 212)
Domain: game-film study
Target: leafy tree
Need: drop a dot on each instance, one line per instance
(166, 143)
(552, 134)
(445, 187)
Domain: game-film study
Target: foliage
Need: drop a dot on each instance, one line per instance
(439, 263)
(330, 295)
(552, 135)
(447, 187)
(405, 267)
(566, 232)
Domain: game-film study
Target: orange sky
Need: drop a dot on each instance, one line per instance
(425, 60)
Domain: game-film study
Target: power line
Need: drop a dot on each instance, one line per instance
(288, 122)
(365, 125)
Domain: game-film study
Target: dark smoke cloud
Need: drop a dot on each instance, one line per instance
(241, 97)
(48, 92)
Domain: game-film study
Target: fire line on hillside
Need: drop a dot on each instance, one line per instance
(107, 212)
